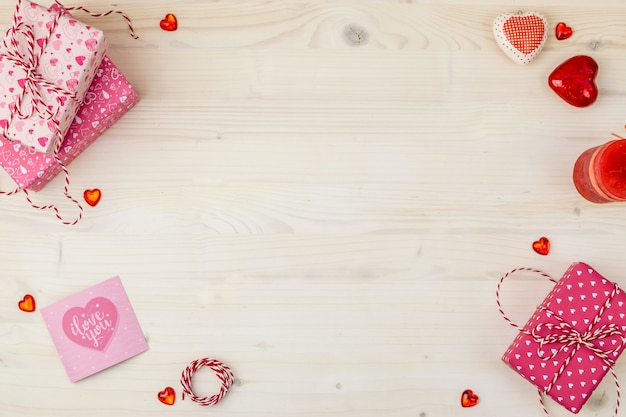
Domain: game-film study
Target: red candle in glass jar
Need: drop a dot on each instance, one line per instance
(600, 172)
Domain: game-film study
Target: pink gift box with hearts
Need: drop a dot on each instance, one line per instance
(109, 97)
(573, 338)
(48, 60)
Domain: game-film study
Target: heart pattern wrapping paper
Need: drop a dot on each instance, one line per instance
(109, 97)
(48, 60)
(582, 303)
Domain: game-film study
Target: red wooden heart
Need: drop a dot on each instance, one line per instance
(468, 398)
(562, 31)
(167, 396)
(542, 246)
(169, 23)
(92, 197)
(573, 80)
(27, 303)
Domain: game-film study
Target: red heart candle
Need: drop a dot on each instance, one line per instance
(600, 172)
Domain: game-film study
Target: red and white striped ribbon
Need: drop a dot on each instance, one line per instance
(124, 16)
(223, 373)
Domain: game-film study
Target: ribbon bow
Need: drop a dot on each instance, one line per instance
(565, 335)
(19, 44)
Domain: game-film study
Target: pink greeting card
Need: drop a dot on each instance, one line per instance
(94, 329)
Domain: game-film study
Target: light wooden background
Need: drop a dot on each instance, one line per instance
(323, 195)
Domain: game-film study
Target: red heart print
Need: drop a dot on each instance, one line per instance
(542, 246)
(169, 23)
(80, 59)
(521, 36)
(42, 141)
(167, 396)
(92, 197)
(27, 303)
(468, 398)
(573, 81)
(562, 31)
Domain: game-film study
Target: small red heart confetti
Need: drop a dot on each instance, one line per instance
(167, 396)
(169, 23)
(562, 31)
(92, 197)
(542, 246)
(27, 303)
(573, 81)
(468, 398)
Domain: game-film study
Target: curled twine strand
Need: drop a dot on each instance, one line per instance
(109, 12)
(564, 335)
(223, 373)
(34, 83)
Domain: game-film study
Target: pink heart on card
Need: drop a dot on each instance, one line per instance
(68, 50)
(40, 42)
(52, 126)
(91, 326)
(56, 45)
(31, 131)
(58, 35)
(72, 22)
(79, 41)
(54, 62)
(68, 66)
(91, 44)
(42, 141)
(4, 123)
(18, 125)
(80, 59)
(21, 82)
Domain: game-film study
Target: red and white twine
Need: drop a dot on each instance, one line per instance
(223, 373)
(567, 336)
(104, 14)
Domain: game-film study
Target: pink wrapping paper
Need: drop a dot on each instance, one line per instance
(587, 302)
(109, 97)
(66, 67)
